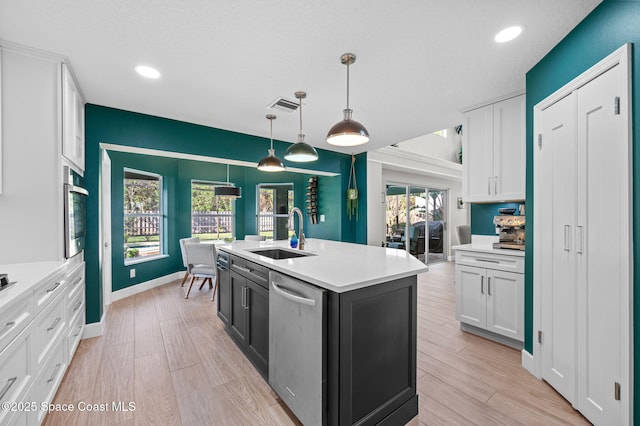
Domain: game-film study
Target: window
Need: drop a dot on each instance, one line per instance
(212, 218)
(142, 215)
(275, 201)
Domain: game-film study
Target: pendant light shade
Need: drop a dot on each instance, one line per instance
(229, 190)
(348, 132)
(301, 152)
(271, 163)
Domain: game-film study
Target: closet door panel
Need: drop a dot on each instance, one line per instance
(604, 196)
(559, 287)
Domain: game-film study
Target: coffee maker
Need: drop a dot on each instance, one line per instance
(511, 231)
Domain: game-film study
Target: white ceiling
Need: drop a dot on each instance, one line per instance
(419, 62)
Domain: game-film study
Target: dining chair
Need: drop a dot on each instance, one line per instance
(201, 260)
(255, 238)
(464, 234)
(184, 241)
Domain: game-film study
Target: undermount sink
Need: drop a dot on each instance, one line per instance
(277, 253)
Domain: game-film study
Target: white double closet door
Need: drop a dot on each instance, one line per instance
(583, 246)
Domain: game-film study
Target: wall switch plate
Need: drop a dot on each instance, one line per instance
(132, 273)
(321, 218)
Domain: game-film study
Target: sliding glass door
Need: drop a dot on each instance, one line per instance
(415, 221)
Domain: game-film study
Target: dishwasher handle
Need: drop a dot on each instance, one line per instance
(292, 297)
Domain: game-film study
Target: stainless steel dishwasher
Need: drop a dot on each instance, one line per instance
(297, 346)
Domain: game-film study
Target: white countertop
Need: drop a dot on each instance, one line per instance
(483, 248)
(335, 266)
(27, 275)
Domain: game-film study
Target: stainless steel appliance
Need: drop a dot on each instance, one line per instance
(75, 218)
(511, 231)
(297, 346)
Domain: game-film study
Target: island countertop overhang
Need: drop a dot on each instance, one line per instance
(333, 265)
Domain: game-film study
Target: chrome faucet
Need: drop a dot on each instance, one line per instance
(301, 222)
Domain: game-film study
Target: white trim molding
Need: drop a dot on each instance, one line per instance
(147, 285)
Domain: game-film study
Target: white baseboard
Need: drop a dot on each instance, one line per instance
(147, 285)
(97, 328)
(529, 363)
(94, 329)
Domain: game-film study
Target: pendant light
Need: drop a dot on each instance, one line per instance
(229, 190)
(271, 163)
(301, 152)
(347, 132)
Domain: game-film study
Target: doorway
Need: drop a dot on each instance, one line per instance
(275, 201)
(415, 221)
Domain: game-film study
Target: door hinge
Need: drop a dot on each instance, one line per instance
(539, 140)
(616, 106)
(539, 336)
(616, 391)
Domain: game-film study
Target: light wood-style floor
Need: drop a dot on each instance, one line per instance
(172, 358)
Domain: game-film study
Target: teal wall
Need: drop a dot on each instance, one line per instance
(118, 127)
(482, 217)
(608, 27)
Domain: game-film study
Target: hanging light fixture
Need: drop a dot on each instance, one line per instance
(347, 132)
(229, 190)
(301, 152)
(271, 163)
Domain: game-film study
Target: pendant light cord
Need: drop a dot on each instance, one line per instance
(348, 84)
(271, 131)
(300, 114)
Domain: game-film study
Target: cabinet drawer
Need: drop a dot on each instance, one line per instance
(16, 371)
(46, 383)
(491, 261)
(75, 334)
(16, 319)
(254, 272)
(46, 292)
(75, 280)
(48, 329)
(75, 307)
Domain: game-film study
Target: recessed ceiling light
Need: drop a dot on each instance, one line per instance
(508, 34)
(147, 72)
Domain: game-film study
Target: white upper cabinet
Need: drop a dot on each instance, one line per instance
(493, 147)
(72, 122)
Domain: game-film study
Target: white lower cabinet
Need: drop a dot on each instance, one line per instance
(43, 328)
(46, 383)
(490, 299)
(16, 374)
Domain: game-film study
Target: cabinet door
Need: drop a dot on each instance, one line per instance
(602, 248)
(72, 122)
(477, 155)
(238, 318)
(224, 295)
(557, 206)
(505, 303)
(509, 149)
(257, 298)
(471, 304)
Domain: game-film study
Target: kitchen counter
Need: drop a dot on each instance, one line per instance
(483, 248)
(334, 265)
(27, 276)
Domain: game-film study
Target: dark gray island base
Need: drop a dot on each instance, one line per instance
(369, 341)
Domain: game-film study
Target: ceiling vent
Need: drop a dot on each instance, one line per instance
(284, 105)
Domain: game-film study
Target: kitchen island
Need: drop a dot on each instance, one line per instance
(344, 356)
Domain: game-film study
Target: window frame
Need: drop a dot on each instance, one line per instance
(233, 206)
(273, 214)
(160, 215)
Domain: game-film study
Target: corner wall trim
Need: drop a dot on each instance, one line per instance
(147, 285)
(529, 363)
(94, 329)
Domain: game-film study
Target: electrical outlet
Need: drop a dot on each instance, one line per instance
(321, 218)
(132, 273)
